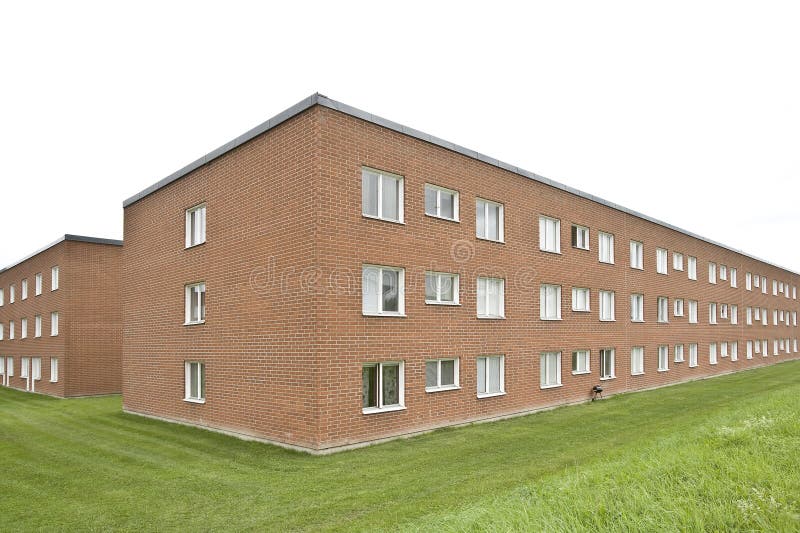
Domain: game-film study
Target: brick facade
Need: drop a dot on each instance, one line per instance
(88, 341)
(285, 338)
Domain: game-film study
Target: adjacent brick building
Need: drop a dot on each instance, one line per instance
(60, 319)
(332, 278)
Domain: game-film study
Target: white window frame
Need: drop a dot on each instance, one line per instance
(734, 282)
(24, 367)
(549, 302)
(734, 314)
(549, 234)
(195, 235)
(637, 308)
(764, 350)
(693, 311)
(748, 281)
(734, 349)
(23, 328)
(547, 359)
(712, 273)
(54, 324)
(712, 353)
(723, 272)
(400, 195)
(581, 290)
(580, 233)
(637, 360)
(36, 368)
(749, 350)
(604, 353)
(37, 326)
(712, 313)
(54, 370)
(502, 377)
(38, 284)
(11, 332)
(187, 375)
(401, 385)
(677, 261)
(442, 278)
(637, 255)
(678, 349)
(12, 293)
(54, 275)
(764, 317)
(723, 349)
(439, 386)
(662, 256)
(581, 362)
(692, 355)
(662, 308)
(774, 287)
(763, 284)
(189, 289)
(482, 203)
(2, 332)
(2, 297)
(604, 294)
(372, 304)
(691, 268)
(24, 289)
(496, 283)
(723, 310)
(677, 307)
(439, 190)
(663, 357)
(605, 243)
(749, 316)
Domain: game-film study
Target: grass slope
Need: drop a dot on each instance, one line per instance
(718, 454)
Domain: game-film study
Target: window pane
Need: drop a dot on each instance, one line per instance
(391, 384)
(446, 204)
(448, 372)
(369, 193)
(494, 217)
(481, 374)
(193, 382)
(369, 386)
(391, 291)
(430, 201)
(430, 286)
(494, 374)
(390, 198)
(447, 288)
(431, 371)
(480, 219)
(482, 296)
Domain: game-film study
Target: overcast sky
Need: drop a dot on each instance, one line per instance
(686, 111)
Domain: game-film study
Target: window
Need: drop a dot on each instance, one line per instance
(606, 247)
(382, 387)
(491, 298)
(441, 202)
(723, 349)
(491, 376)
(195, 376)
(550, 302)
(488, 220)
(794, 318)
(54, 278)
(794, 294)
(663, 358)
(551, 370)
(734, 314)
(24, 291)
(764, 318)
(757, 281)
(606, 305)
(748, 281)
(661, 261)
(24, 371)
(774, 347)
(679, 353)
(663, 309)
(678, 311)
(723, 272)
(712, 353)
(38, 284)
(607, 363)
(383, 290)
(749, 316)
(723, 310)
(580, 362)
(9, 366)
(54, 370)
(712, 313)
(749, 349)
(774, 287)
(692, 311)
(692, 355)
(441, 288)
(712, 272)
(637, 255)
(774, 317)
(54, 323)
(637, 308)
(37, 326)
(549, 234)
(2, 331)
(763, 284)
(12, 294)
(2, 297)
(758, 346)
(795, 345)
(441, 374)
(580, 299)
(580, 237)
(758, 314)
(764, 348)
(195, 225)
(381, 195)
(733, 277)
(195, 303)
(734, 351)
(11, 330)
(36, 368)
(692, 267)
(677, 261)
(23, 328)
(637, 360)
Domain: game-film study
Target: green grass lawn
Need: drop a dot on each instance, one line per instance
(718, 454)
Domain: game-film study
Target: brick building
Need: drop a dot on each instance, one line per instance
(60, 319)
(332, 278)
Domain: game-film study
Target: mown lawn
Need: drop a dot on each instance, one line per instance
(718, 454)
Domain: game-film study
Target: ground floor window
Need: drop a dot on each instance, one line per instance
(693, 355)
(382, 386)
(195, 381)
(551, 369)
(441, 374)
(637, 360)
(53, 369)
(580, 362)
(607, 363)
(491, 374)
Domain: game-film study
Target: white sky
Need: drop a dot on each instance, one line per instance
(686, 111)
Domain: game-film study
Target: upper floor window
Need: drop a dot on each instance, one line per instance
(712, 313)
(12, 294)
(38, 284)
(550, 302)
(663, 309)
(691, 263)
(550, 375)
(637, 255)
(54, 278)
(488, 220)
(607, 305)
(580, 299)
(383, 290)
(606, 247)
(195, 303)
(441, 288)
(381, 195)
(692, 311)
(24, 290)
(763, 284)
(723, 272)
(23, 328)
(637, 308)
(382, 387)
(11, 330)
(661, 260)
(441, 202)
(733, 277)
(54, 324)
(2, 297)
(678, 311)
(757, 281)
(712, 272)
(580, 237)
(549, 234)
(677, 261)
(774, 287)
(37, 326)
(748, 281)
(491, 298)
(196, 225)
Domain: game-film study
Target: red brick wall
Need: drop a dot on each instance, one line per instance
(284, 362)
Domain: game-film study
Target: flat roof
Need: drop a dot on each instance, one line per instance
(67, 237)
(318, 99)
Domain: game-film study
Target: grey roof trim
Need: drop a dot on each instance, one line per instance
(67, 237)
(318, 99)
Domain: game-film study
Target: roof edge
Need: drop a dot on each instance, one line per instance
(64, 238)
(319, 99)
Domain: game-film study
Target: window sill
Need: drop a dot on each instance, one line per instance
(51, 381)
(607, 378)
(555, 252)
(693, 366)
(608, 320)
(192, 400)
(375, 410)
(581, 310)
(663, 369)
(606, 263)
(662, 322)
(446, 304)
(486, 317)
(490, 240)
(383, 219)
(579, 248)
(637, 321)
(576, 373)
(712, 363)
(490, 394)
(384, 315)
(194, 323)
(437, 217)
(676, 361)
(194, 245)
(550, 319)
(550, 386)
(442, 389)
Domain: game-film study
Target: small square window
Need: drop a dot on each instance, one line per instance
(580, 237)
(382, 387)
(441, 374)
(580, 299)
(580, 362)
(441, 288)
(441, 202)
(381, 195)
(383, 290)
